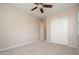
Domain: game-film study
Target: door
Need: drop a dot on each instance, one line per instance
(42, 31)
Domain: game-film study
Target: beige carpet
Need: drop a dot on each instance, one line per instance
(40, 48)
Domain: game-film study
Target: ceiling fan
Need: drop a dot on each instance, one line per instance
(41, 6)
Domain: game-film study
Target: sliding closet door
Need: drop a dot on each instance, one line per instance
(59, 30)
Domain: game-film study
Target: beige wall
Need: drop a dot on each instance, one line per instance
(78, 29)
(17, 27)
(71, 15)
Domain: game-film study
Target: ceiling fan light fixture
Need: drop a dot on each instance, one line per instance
(40, 6)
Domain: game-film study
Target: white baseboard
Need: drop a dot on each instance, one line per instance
(73, 46)
(18, 45)
(63, 44)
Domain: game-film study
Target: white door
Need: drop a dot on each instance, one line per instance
(42, 31)
(59, 31)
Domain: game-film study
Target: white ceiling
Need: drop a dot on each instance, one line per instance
(57, 7)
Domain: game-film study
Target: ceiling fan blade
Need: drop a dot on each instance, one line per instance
(34, 8)
(41, 9)
(36, 3)
(48, 6)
